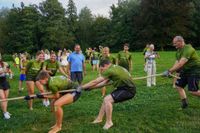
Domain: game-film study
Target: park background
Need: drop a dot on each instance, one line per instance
(50, 26)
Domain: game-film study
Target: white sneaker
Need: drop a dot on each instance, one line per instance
(6, 115)
(47, 103)
(44, 102)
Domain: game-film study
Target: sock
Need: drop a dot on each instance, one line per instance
(184, 103)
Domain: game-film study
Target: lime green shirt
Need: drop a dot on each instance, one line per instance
(124, 59)
(192, 66)
(111, 58)
(119, 76)
(95, 55)
(23, 67)
(58, 83)
(33, 68)
(52, 66)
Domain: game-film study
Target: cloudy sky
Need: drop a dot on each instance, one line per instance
(101, 7)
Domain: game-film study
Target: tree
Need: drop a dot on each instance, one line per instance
(84, 32)
(52, 26)
(3, 28)
(21, 23)
(123, 26)
(72, 17)
(101, 31)
(161, 20)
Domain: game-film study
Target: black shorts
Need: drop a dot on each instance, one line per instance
(31, 79)
(122, 94)
(77, 76)
(76, 95)
(191, 81)
(4, 84)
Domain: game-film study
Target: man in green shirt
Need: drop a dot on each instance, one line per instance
(106, 56)
(124, 58)
(56, 84)
(121, 79)
(188, 63)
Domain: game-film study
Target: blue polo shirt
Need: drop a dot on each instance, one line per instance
(76, 60)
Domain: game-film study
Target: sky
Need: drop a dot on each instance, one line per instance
(98, 7)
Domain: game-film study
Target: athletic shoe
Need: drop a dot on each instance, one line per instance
(44, 102)
(47, 103)
(6, 115)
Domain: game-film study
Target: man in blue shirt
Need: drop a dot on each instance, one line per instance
(77, 64)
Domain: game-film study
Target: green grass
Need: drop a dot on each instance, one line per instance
(152, 110)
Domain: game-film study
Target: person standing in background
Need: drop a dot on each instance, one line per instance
(150, 57)
(22, 77)
(77, 65)
(106, 56)
(4, 89)
(124, 58)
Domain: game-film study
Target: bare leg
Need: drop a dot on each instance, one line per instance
(4, 95)
(20, 86)
(66, 99)
(30, 87)
(181, 92)
(103, 91)
(195, 93)
(108, 101)
(100, 115)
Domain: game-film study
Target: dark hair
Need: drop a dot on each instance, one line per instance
(52, 52)
(126, 44)
(42, 75)
(103, 62)
(39, 52)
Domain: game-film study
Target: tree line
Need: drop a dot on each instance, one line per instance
(137, 22)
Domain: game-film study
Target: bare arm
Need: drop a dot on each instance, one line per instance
(61, 71)
(178, 65)
(69, 68)
(84, 68)
(53, 96)
(102, 84)
(95, 83)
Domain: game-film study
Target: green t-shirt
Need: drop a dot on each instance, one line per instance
(33, 68)
(124, 59)
(110, 58)
(52, 66)
(119, 76)
(95, 55)
(192, 66)
(58, 83)
(23, 67)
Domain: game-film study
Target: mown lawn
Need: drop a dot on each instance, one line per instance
(153, 110)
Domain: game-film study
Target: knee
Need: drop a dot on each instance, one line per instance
(106, 100)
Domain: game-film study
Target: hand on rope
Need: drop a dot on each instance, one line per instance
(40, 95)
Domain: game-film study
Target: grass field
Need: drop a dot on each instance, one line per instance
(152, 110)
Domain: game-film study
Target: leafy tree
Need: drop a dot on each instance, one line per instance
(52, 26)
(3, 28)
(84, 32)
(160, 20)
(22, 23)
(72, 17)
(101, 31)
